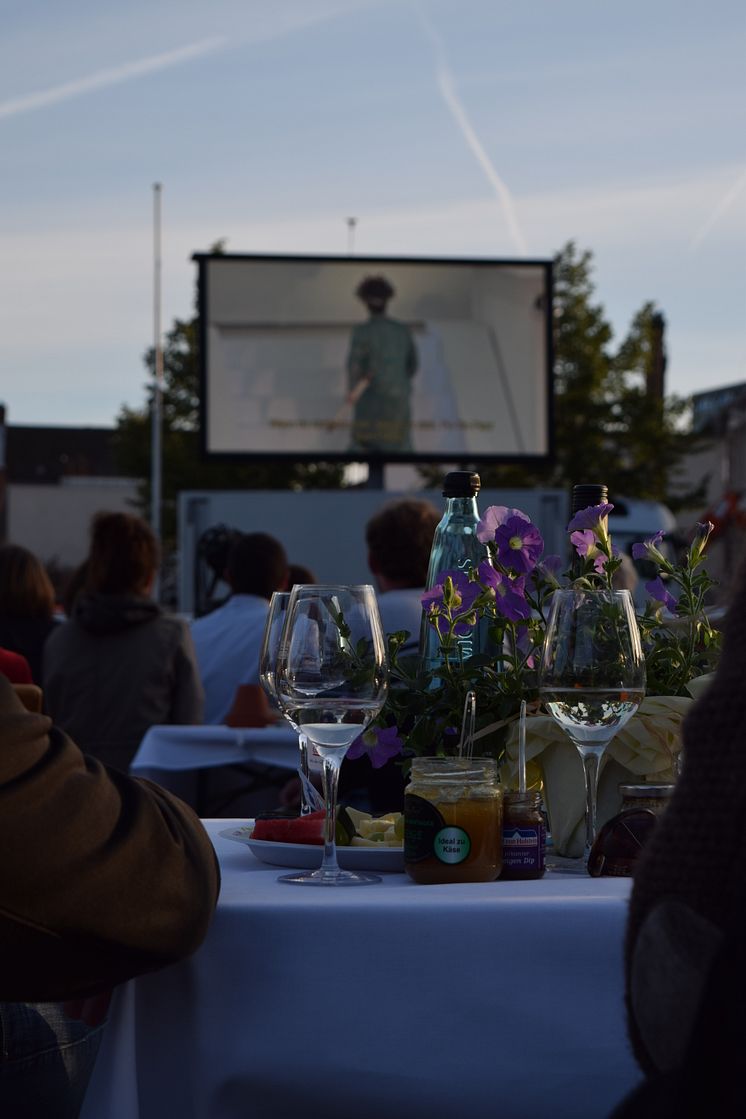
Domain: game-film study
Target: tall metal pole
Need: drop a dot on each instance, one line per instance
(157, 412)
(3, 477)
(351, 223)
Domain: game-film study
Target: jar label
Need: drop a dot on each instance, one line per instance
(452, 845)
(426, 834)
(524, 848)
(422, 822)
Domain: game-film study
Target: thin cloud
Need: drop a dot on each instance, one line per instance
(448, 92)
(113, 76)
(723, 205)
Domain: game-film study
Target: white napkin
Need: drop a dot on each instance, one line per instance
(646, 748)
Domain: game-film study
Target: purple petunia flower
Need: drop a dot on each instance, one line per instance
(704, 529)
(600, 561)
(432, 598)
(509, 593)
(519, 544)
(590, 518)
(551, 565)
(524, 645)
(493, 518)
(649, 549)
(467, 593)
(437, 610)
(656, 588)
(379, 743)
(584, 543)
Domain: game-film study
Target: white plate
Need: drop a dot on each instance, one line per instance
(307, 856)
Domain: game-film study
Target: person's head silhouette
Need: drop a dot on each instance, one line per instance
(375, 292)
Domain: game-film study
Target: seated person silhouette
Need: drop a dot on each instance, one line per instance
(104, 877)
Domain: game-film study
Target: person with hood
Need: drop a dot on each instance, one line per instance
(119, 664)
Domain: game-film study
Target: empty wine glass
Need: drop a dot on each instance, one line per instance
(278, 605)
(332, 679)
(591, 676)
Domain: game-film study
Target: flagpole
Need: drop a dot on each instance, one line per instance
(157, 410)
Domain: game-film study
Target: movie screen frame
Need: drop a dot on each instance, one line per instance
(375, 359)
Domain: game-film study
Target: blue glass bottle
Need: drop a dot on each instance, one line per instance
(455, 548)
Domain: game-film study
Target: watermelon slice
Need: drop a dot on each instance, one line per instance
(291, 829)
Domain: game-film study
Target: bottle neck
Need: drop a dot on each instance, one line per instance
(465, 506)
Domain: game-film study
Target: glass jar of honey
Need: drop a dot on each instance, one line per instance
(453, 820)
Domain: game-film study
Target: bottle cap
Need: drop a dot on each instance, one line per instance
(585, 495)
(461, 483)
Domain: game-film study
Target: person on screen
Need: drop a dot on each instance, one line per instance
(381, 362)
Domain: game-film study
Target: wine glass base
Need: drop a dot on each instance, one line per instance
(329, 878)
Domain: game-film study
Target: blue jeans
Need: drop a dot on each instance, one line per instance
(46, 1060)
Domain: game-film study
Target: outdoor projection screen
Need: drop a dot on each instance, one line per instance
(456, 365)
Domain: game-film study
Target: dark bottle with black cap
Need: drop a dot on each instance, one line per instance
(584, 496)
(455, 548)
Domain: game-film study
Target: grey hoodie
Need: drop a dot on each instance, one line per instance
(116, 668)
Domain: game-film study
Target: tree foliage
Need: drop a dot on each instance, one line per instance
(607, 425)
(183, 467)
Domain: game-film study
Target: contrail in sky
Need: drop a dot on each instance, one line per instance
(450, 96)
(112, 76)
(725, 202)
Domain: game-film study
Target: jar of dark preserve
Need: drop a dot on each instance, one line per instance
(524, 836)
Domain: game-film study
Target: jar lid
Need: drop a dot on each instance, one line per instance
(454, 769)
(646, 790)
(530, 797)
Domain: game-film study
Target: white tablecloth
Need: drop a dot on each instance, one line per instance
(178, 748)
(392, 1000)
(180, 757)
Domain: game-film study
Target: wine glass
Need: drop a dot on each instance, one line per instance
(591, 676)
(275, 620)
(332, 679)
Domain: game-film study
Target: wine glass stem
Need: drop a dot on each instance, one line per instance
(330, 780)
(305, 807)
(591, 762)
